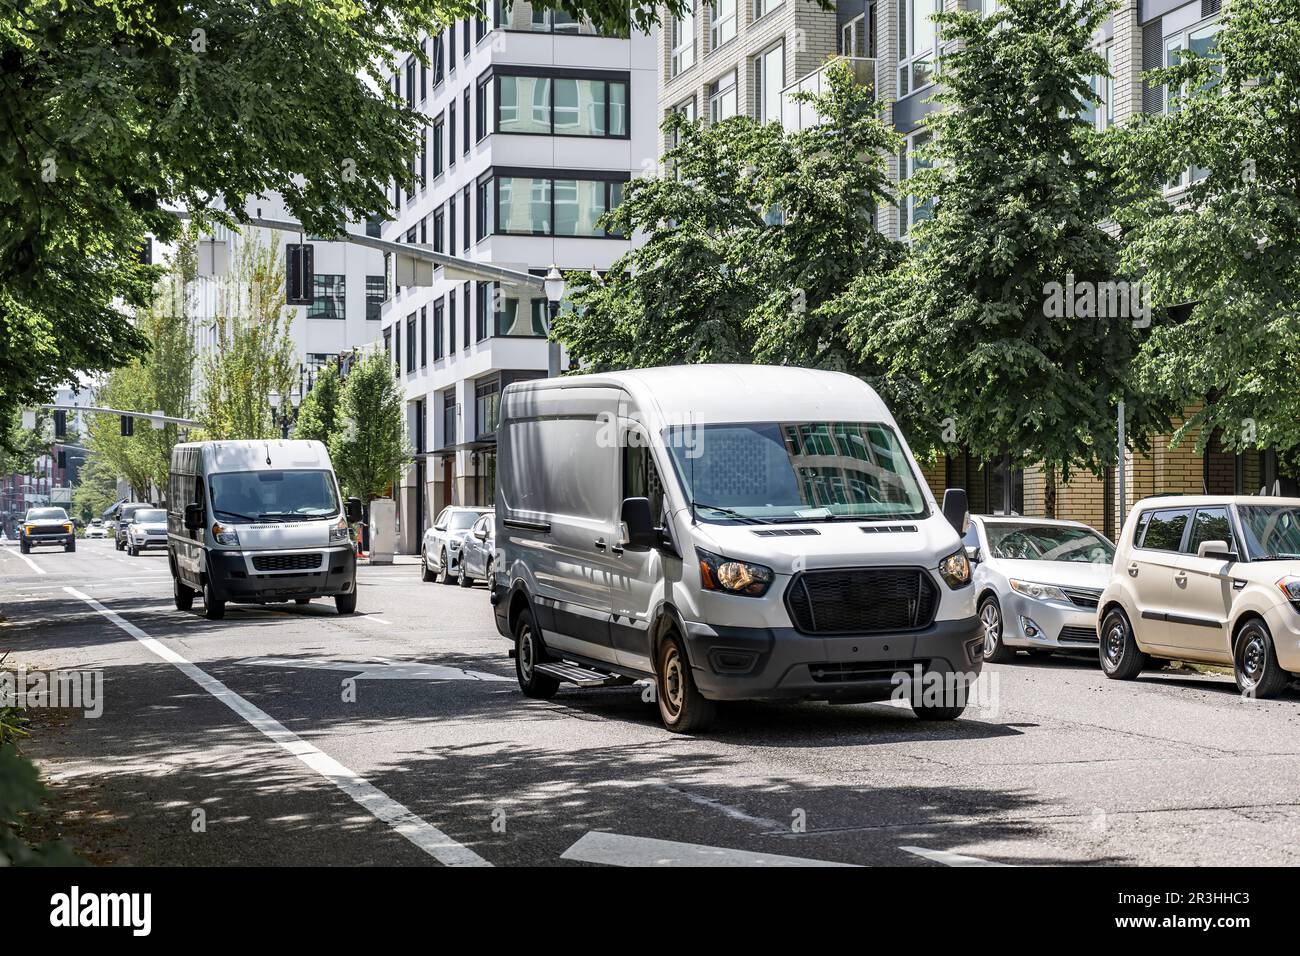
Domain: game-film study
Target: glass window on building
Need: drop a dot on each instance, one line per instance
(769, 80)
(722, 23)
(375, 295)
(683, 37)
(910, 161)
(330, 297)
(722, 98)
(487, 406)
(524, 205)
(526, 317)
(916, 44)
(763, 7)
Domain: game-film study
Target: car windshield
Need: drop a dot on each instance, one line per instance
(795, 471)
(150, 516)
(47, 514)
(463, 520)
(273, 495)
(1044, 542)
(1272, 532)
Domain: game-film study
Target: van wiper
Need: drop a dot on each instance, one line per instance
(729, 512)
(233, 514)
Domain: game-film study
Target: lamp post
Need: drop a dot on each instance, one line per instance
(554, 286)
(284, 414)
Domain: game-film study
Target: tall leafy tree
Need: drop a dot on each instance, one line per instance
(966, 330)
(1226, 247)
(752, 231)
(114, 111)
(370, 445)
(318, 416)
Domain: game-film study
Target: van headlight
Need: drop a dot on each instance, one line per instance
(223, 534)
(1290, 586)
(1039, 592)
(339, 532)
(955, 569)
(731, 576)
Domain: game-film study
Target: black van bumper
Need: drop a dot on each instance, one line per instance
(232, 579)
(780, 663)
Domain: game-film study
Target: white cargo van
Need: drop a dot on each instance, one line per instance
(729, 531)
(258, 522)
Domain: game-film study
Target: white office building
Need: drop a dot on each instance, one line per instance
(536, 123)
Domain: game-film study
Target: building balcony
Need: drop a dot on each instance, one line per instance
(796, 115)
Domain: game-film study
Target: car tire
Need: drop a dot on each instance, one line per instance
(70, 546)
(529, 652)
(117, 543)
(182, 593)
(301, 601)
(490, 577)
(682, 708)
(1254, 662)
(346, 603)
(935, 712)
(426, 574)
(463, 579)
(995, 652)
(214, 607)
(444, 567)
(1118, 650)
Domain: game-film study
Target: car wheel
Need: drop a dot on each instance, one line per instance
(117, 543)
(529, 652)
(70, 546)
(1254, 662)
(346, 603)
(24, 547)
(490, 576)
(426, 574)
(463, 579)
(995, 652)
(935, 712)
(1120, 657)
(182, 593)
(214, 607)
(682, 708)
(445, 567)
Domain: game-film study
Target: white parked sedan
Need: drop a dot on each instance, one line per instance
(440, 549)
(96, 529)
(1037, 582)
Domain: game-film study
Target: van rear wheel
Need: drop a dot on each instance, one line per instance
(529, 652)
(682, 708)
(1254, 662)
(182, 594)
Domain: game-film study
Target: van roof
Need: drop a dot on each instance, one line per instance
(259, 454)
(736, 393)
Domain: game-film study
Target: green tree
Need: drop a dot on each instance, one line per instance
(972, 345)
(318, 416)
(252, 352)
(370, 445)
(96, 488)
(1230, 243)
(114, 111)
(752, 233)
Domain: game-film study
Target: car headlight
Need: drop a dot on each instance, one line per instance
(225, 535)
(339, 532)
(68, 528)
(732, 576)
(1039, 592)
(29, 529)
(1290, 586)
(955, 569)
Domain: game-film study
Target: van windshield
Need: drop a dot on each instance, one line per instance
(273, 495)
(794, 471)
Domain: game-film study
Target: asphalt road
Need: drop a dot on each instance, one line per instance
(292, 735)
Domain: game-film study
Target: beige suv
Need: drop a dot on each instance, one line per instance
(1214, 580)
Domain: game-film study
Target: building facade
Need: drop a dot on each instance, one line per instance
(535, 124)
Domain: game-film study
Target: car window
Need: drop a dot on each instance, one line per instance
(47, 514)
(1032, 541)
(441, 523)
(1210, 524)
(150, 516)
(1164, 530)
(462, 520)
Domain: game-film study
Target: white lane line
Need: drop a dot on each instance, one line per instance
(383, 807)
(35, 567)
(371, 619)
(614, 849)
(949, 859)
(736, 813)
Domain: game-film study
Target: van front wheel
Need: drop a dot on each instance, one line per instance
(682, 708)
(528, 654)
(346, 603)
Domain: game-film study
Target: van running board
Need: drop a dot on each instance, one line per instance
(573, 674)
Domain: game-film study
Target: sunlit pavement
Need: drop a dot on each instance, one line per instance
(292, 735)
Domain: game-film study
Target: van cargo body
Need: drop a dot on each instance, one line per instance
(769, 524)
(258, 522)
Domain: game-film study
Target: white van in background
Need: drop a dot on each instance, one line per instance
(258, 522)
(729, 531)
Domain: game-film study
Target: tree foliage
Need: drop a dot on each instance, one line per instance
(1230, 243)
(964, 328)
(751, 232)
(318, 416)
(370, 445)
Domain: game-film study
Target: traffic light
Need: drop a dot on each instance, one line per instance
(128, 426)
(299, 274)
(60, 423)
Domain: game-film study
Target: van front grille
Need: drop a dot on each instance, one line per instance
(287, 562)
(862, 600)
(843, 672)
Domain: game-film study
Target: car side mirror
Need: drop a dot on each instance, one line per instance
(1216, 551)
(193, 517)
(973, 554)
(352, 510)
(956, 508)
(639, 526)
(481, 535)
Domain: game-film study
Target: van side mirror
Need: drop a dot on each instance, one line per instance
(956, 508)
(193, 517)
(638, 523)
(973, 554)
(1216, 551)
(352, 510)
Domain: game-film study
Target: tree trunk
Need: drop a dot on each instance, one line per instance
(1049, 490)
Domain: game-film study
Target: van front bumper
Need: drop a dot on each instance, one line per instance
(234, 581)
(780, 663)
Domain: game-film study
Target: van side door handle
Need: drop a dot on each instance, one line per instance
(1133, 569)
(600, 544)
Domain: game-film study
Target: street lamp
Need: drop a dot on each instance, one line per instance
(554, 286)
